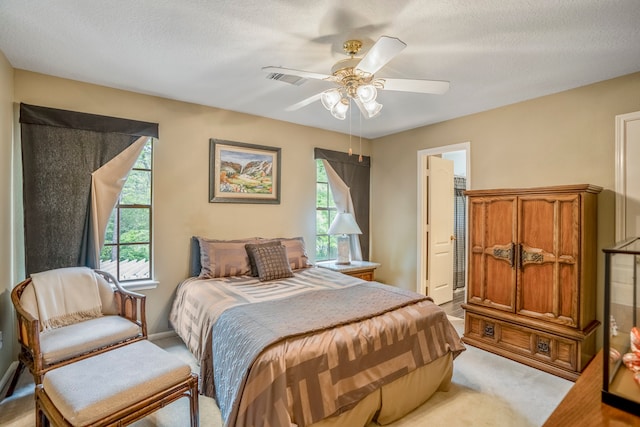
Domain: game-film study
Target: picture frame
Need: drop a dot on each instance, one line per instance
(243, 173)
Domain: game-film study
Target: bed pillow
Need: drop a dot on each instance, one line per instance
(223, 258)
(296, 252)
(271, 261)
(252, 261)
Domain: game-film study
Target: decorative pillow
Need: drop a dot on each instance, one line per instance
(223, 258)
(271, 261)
(252, 261)
(296, 252)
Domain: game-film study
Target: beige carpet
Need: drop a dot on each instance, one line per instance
(487, 390)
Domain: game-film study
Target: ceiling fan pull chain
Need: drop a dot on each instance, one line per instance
(360, 156)
(350, 114)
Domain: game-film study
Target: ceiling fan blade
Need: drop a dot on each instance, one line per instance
(300, 73)
(380, 53)
(304, 102)
(423, 86)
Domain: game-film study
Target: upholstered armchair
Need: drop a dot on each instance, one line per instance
(49, 337)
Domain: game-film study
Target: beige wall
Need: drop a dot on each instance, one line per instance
(181, 162)
(565, 138)
(559, 139)
(6, 276)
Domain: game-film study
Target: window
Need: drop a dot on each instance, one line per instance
(326, 245)
(127, 250)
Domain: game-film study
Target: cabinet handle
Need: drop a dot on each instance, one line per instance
(513, 255)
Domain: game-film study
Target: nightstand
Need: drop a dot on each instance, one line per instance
(361, 269)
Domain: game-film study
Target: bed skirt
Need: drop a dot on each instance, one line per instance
(396, 399)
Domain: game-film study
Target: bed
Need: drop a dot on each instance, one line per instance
(306, 346)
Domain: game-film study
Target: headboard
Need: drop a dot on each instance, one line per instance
(194, 258)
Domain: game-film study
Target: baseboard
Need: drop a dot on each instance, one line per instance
(162, 335)
(6, 378)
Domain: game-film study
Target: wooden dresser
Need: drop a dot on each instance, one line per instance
(532, 274)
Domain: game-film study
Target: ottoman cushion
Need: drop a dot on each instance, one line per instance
(87, 390)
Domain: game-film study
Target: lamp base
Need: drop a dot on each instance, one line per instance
(344, 256)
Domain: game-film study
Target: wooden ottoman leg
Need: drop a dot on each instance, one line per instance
(193, 402)
(41, 417)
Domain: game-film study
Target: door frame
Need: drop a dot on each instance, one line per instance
(421, 262)
(621, 172)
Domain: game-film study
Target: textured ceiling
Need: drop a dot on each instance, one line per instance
(494, 52)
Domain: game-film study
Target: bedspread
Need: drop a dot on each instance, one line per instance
(199, 302)
(295, 376)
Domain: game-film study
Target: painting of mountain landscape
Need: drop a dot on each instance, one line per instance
(244, 173)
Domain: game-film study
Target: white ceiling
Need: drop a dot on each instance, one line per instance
(210, 52)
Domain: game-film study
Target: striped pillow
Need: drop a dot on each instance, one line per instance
(296, 252)
(220, 258)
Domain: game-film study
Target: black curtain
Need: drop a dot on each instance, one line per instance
(60, 150)
(460, 209)
(356, 175)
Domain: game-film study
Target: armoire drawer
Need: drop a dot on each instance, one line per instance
(527, 345)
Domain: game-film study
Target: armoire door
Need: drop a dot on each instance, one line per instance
(548, 259)
(492, 273)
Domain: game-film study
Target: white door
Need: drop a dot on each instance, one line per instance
(440, 200)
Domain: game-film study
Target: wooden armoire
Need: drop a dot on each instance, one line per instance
(532, 275)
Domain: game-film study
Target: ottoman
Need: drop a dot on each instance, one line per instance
(115, 388)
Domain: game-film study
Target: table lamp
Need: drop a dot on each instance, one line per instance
(343, 225)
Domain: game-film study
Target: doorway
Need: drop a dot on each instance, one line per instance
(627, 176)
(459, 154)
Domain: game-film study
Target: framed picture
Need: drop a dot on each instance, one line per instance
(243, 173)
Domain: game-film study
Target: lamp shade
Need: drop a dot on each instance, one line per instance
(339, 111)
(330, 98)
(344, 223)
(373, 108)
(366, 93)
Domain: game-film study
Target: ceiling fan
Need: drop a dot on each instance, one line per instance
(356, 81)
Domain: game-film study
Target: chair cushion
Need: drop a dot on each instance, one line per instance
(125, 376)
(73, 340)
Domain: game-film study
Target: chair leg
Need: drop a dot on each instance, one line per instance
(14, 380)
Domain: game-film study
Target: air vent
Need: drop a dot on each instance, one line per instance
(287, 78)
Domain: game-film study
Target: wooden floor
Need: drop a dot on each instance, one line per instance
(583, 406)
(454, 308)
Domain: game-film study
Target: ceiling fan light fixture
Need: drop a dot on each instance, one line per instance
(330, 98)
(372, 108)
(339, 110)
(357, 81)
(367, 93)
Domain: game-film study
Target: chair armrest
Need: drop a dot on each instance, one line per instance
(131, 305)
(28, 326)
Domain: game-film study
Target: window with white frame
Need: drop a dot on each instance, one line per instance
(326, 245)
(127, 249)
